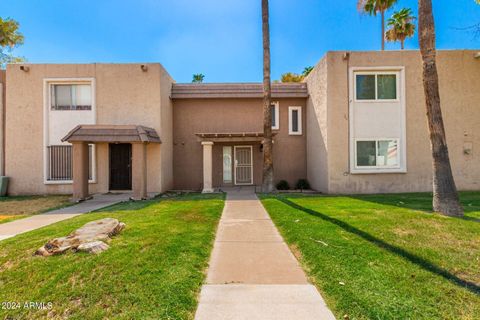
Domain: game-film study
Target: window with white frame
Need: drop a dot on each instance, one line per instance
(371, 86)
(377, 153)
(295, 120)
(71, 96)
(275, 112)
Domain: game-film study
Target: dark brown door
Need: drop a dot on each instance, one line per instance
(121, 166)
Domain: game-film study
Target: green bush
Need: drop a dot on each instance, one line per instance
(302, 184)
(283, 185)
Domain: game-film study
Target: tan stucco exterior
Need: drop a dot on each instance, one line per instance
(124, 94)
(329, 130)
(232, 115)
(129, 94)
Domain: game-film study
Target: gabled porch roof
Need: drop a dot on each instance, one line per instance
(112, 134)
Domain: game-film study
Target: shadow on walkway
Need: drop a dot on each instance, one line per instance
(421, 262)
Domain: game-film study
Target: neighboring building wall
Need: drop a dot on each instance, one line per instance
(124, 95)
(2, 120)
(192, 116)
(316, 131)
(459, 83)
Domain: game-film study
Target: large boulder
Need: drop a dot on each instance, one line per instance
(89, 238)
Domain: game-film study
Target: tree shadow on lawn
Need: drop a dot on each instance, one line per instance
(421, 262)
(423, 202)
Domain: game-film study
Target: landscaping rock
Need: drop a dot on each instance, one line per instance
(93, 247)
(91, 234)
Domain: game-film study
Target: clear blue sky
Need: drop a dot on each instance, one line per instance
(219, 38)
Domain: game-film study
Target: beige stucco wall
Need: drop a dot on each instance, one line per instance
(316, 151)
(124, 95)
(2, 115)
(232, 115)
(460, 95)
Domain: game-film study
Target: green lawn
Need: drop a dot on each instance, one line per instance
(385, 256)
(153, 270)
(16, 207)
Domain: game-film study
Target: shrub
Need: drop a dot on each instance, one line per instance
(283, 185)
(302, 184)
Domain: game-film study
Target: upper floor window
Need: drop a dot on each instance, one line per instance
(275, 112)
(71, 97)
(375, 86)
(295, 120)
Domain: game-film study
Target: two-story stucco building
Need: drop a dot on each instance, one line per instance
(356, 125)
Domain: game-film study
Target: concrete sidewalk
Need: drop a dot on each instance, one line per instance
(11, 229)
(252, 273)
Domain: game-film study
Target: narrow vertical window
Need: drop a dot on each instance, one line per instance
(295, 120)
(227, 164)
(275, 112)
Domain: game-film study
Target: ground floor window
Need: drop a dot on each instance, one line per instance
(227, 164)
(60, 163)
(377, 153)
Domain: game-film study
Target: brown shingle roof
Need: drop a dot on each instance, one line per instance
(237, 90)
(112, 133)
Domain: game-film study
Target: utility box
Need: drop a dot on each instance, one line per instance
(3, 186)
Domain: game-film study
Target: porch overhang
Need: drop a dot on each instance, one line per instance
(232, 136)
(112, 134)
(138, 136)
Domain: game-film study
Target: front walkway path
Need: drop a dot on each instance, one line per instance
(252, 273)
(11, 229)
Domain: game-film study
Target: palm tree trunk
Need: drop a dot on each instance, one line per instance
(383, 28)
(402, 42)
(267, 182)
(445, 196)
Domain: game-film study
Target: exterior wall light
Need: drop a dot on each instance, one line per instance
(25, 68)
(144, 67)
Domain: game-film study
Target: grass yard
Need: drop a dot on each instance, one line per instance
(16, 207)
(385, 256)
(153, 270)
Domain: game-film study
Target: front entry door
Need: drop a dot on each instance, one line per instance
(243, 165)
(121, 166)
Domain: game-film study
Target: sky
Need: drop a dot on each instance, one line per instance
(221, 39)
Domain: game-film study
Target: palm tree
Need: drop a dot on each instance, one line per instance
(10, 37)
(445, 196)
(372, 7)
(198, 78)
(306, 71)
(267, 177)
(401, 26)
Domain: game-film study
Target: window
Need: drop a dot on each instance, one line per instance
(60, 163)
(227, 164)
(377, 153)
(275, 116)
(295, 120)
(71, 97)
(376, 86)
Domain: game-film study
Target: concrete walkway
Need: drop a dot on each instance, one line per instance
(11, 229)
(252, 273)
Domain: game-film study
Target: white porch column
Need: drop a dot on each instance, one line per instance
(207, 166)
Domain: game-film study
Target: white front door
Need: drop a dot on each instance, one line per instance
(243, 165)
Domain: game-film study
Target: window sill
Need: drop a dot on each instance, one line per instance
(376, 171)
(65, 182)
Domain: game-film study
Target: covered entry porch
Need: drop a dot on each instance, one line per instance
(231, 159)
(127, 157)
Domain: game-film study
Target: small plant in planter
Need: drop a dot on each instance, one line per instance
(283, 185)
(302, 184)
